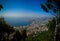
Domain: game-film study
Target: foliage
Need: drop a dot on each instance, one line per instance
(53, 6)
(6, 32)
(51, 24)
(1, 6)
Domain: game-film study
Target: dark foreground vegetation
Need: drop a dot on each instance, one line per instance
(7, 33)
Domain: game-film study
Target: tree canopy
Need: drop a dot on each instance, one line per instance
(1, 6)
(53, 6)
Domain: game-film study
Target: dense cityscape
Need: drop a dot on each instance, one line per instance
(38, 25)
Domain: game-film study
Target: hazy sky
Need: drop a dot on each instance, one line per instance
(23, 8)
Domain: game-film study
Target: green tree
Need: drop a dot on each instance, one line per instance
(1, 6)
(0, 23)
(24, 35)
(51, 25)
(53, 7)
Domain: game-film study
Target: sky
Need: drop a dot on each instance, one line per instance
(23, 8)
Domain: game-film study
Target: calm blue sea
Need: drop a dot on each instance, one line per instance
(18, 21)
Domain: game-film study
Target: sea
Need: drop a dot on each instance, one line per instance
(18, 21)
(23, 21)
